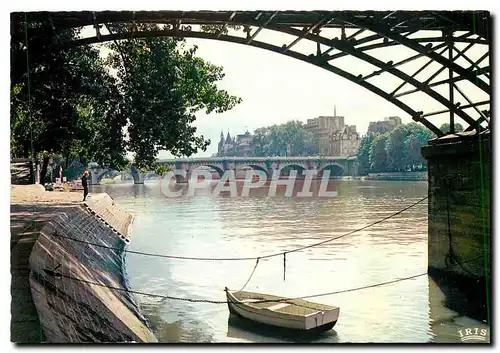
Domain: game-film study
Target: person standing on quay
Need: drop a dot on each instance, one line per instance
(85, 184)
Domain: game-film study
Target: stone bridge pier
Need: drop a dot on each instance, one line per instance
(459, 221)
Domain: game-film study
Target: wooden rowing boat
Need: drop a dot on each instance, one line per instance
(296, 314)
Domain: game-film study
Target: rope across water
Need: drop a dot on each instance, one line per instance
(178, 257)
(61, 275)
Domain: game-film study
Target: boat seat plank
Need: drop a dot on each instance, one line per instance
(278, 306)
(250, 300)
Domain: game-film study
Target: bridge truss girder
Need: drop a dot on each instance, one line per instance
(440, 46)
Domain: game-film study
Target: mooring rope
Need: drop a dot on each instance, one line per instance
(251, 275)
(31, 225)
(61, 275)
(282, 253)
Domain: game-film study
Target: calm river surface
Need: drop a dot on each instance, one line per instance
(209, 226)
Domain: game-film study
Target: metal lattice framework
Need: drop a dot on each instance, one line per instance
(441, 56)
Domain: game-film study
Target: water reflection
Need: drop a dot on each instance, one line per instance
(253, 332)
(176, 331)
(210, 226)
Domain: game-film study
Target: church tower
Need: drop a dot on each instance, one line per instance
(220, 147)
(229, 141)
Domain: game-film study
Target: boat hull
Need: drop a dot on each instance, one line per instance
(322, 321)
(318, 329)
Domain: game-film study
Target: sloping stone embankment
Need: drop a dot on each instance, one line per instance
(80, 290)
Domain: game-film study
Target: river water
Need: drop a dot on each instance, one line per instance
(208, 226)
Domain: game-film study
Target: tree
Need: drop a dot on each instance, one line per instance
(163, 85)
(446, 127)
(417, 137)
(378, 154)
(394, 148)
(412, 152)
(397, 150)
(260, 142)
(288, 139)
(65, 101)
(364, 152)
(62, 99)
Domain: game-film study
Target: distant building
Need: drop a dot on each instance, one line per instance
(335, 138)
(241, 146)
(345, 142)
(386, 125)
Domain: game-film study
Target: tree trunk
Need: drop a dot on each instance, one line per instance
(43, 171)
(32, 171)
(66, 161)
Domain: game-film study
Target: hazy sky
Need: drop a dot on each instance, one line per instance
(276, 88)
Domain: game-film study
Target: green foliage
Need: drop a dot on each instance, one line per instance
(413, 156)
(288, 139)
(395, 151)
(161, 170)
(364, 152)
(45, 154)
(446, 128)
(71, 106)
(394, 148)
(218, 28)
(378, 153)
(69, 103)
(163, 85)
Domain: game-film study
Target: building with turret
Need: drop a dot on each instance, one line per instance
(239, 146)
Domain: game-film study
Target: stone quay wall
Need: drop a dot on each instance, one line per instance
(412, 176)
(80, 290)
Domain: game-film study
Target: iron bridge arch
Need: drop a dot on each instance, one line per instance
(439, 44)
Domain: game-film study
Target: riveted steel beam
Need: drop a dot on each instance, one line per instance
(441, 69)
(257, 31)
(437, 83)
(316, 26)
(341, 45)
(96, 26)
(430, 61)
(460, 39)
(402, 23)
(225, 24)
(407, 60)
(450, 82)
(385, 31)
(442, 111)
(310, 59)
(470, 102)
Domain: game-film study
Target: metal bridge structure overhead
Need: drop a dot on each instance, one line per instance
(405, 57)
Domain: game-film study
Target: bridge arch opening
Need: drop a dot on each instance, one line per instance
(150, 176)
(107, 175)
(215, 171)
(241, 172)
(336, 171)
(113, 176)
(200, 170)
(286, 171)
